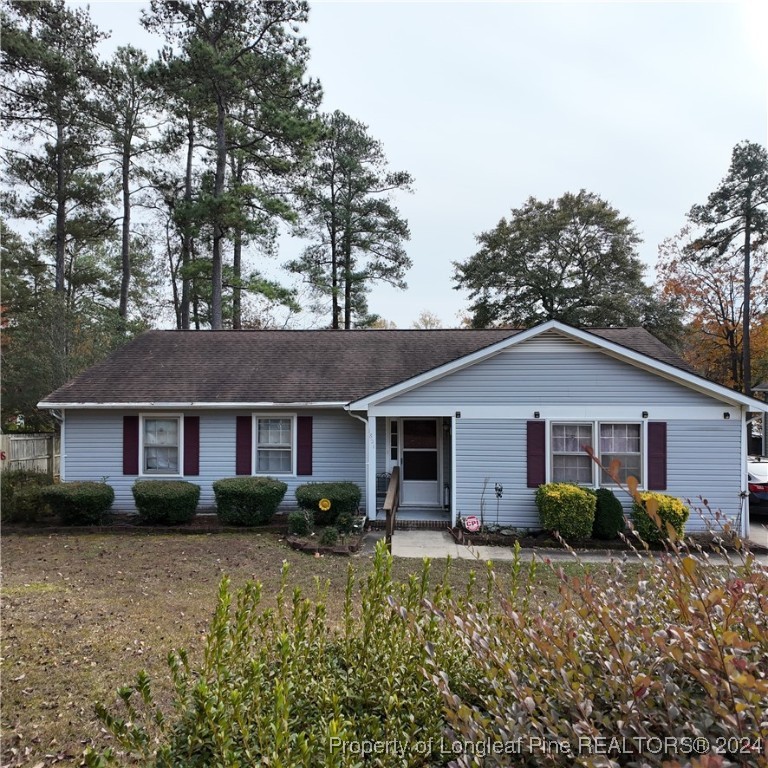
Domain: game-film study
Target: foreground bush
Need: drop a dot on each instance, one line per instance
(566, 508)
(20, 495)
(623, 669)
(344, 497)
(282, 687)
(658, 672)
(79, 503)
(248, 500)
(609, 515)
(653, 514)
(166, 502)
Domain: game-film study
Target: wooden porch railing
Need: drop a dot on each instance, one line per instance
(391, 502)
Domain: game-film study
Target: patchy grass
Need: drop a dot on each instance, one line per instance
(82, 614)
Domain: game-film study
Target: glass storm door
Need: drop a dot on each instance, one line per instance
(420, 462)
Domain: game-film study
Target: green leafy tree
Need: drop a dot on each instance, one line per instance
(242, 53)
(572, 259)
(357, 234)
(51, 70)
(736, 215)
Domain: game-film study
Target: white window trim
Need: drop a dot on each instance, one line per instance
(643, 452)
(142, 465)
(255, 443)
(595, 424)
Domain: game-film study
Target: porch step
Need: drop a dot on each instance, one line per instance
(411, 525)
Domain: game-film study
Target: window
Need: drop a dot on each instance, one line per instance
(161, 442)
(274, 445)
(570, 464)
(620, 442)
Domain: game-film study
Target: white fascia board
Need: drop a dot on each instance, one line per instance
(565, 412)
(639, 360)
(207, 406)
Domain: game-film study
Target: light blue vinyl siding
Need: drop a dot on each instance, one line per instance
(493, 450)
(94, 444)
(703, 460)
(550, 370)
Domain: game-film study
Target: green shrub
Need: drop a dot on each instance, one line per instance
(79, 503)
(20, 495)
(300, 522)
(344, 522)
(344, 497)
(566, 508)
(609, 515)
(653, 512)
(618, 668)
(166, 502)
(329, 537)
(287, 686)
(248, 500)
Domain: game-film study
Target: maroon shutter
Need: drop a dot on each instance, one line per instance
(536, 453)
(130, 445)
(304, 445)
(657, 455)
(191, 445)
(243, 445)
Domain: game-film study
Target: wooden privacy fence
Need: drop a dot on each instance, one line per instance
(32, 452)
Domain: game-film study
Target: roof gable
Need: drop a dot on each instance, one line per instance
(631, 345)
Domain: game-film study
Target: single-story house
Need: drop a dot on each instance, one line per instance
(459, 411)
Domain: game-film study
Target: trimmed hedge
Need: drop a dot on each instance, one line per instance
(20, 492)
(344, 497)
(668, 509)
(566, 508)
(79, 503)
(301, 522)
(248, 500)
(166, 502)
(609, 515)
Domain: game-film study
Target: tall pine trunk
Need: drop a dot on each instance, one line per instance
(125, 246)
(186, 240)
(61, 211)
(745, 341)
(218, 229)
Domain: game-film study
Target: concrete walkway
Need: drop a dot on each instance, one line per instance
(440, 544)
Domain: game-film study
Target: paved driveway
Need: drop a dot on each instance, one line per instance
(758, 528)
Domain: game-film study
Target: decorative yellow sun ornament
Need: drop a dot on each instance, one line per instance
(324, 504)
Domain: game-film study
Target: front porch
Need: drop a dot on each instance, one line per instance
(418, 451)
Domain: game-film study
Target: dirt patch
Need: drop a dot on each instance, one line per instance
(82, 614)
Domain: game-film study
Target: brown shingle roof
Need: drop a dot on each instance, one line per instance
(287, 366)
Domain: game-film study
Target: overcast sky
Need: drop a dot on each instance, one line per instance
(486, 104)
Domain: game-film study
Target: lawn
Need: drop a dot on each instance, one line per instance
(81, 614)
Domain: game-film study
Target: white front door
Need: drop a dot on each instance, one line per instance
(420, 462)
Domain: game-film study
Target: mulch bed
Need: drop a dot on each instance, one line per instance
(311, 545)
(545, 540)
